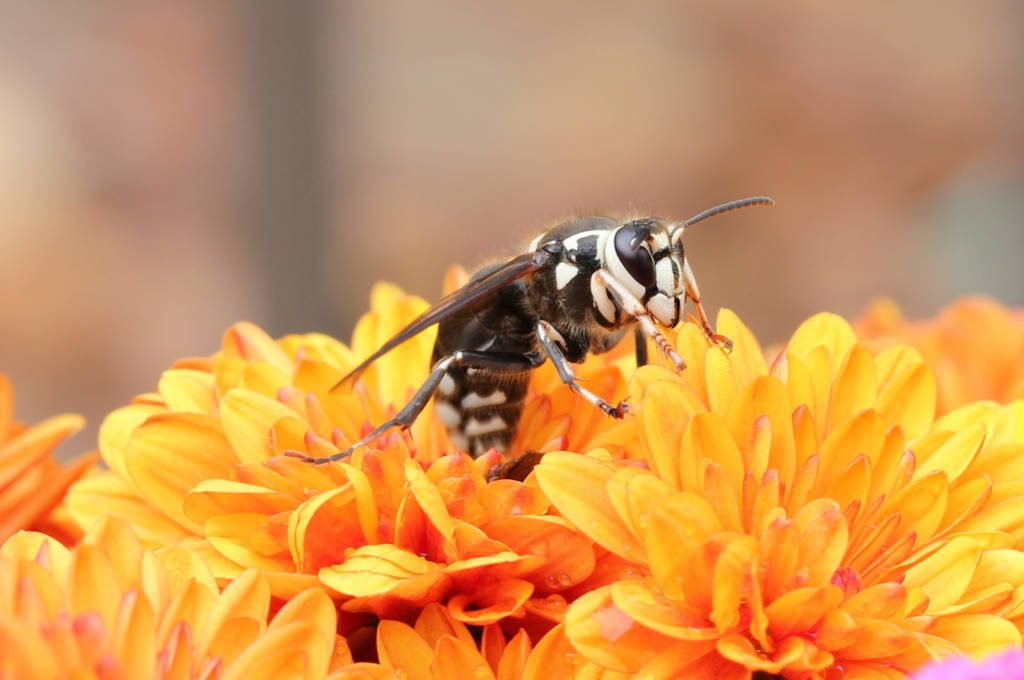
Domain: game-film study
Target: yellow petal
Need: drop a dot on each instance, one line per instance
(117, 429)
(287, 653)
(93, 584)
(854, 387)
(189, 391)
(822, 330)
(955, 455)
(576, 485)
(247, 597)
(133, 635)
(708, 437)
(248, 418)
(767, 397)
(746, 353)
(909, 401)
(171, 453)
(945, 575)
(667, 407)
(977, 635)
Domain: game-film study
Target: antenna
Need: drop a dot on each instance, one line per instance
(724, 208)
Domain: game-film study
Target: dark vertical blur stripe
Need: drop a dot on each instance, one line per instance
(286, 204)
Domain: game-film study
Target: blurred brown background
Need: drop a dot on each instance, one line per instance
(168, 169)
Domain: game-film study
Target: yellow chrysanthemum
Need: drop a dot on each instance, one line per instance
(401, 524)
(109, 610)
(32, 482)
(975, 347)
(808, 519)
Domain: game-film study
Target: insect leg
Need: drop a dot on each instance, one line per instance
(549, 341)
(641, 347)
(499, 362)
(629, 304)
(694, 294)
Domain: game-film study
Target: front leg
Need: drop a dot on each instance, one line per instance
(631, 306)
(552, 342)
(694, 294)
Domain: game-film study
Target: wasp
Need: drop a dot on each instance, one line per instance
(579, 289)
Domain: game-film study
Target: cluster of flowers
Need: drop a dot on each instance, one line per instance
(849, 505)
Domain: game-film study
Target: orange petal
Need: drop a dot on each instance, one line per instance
(643, 601)
(323, 528)
(608, 636)
(454, 659)
(798, 611)
(554, 657)
(568, 556)
(491, 603)
(401, 648)
(823, 539)
(677, 526)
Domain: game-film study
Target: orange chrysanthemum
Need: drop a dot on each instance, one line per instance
(109, 610)
(407, 522)
(440, 647)
(32, 482)
(810, 519)
(975, 347)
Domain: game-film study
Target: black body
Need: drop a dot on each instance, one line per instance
(506, 323)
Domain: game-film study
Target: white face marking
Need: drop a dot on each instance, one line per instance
(535, 243)
(601, 300)
(459, 440)
(477, 427)
(448, 414)
(664, 275)
(447, 385)
(564, 273)
(573, 242)
(474, 400)
(663, 309)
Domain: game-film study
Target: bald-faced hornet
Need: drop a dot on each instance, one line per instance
(578, 289)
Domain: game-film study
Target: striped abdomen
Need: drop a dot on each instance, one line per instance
(481, 408)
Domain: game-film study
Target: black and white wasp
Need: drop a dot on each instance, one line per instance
(578, 289)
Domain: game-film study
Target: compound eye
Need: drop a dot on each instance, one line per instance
(635, 257)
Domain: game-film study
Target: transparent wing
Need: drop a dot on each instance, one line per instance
(471, 293)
